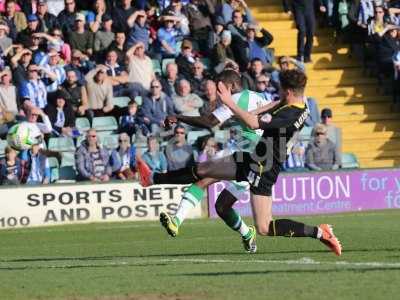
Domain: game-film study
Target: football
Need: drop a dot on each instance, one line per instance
(20, 136)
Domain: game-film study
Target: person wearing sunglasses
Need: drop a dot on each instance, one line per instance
(123, 158)
(92, 160)
(178, 152)
(321, 153)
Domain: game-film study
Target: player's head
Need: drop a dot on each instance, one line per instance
(231, 79)
(293, 83)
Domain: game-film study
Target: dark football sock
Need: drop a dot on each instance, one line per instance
(290, 228)
(181, 176)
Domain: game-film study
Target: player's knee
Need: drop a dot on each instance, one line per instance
(262, 229)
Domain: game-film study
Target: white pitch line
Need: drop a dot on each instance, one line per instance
(305, 261)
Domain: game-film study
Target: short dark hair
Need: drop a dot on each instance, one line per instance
(179, 127)
(132, 102)
(230, 77)
(294, 80)
(256, 59)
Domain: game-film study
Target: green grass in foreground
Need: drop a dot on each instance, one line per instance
(139, 261)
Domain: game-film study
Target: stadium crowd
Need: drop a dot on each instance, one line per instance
(98, 78)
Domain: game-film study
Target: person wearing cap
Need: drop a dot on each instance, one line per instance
(167, 37)
(24, 36)
(66, 18)
(321, 153)
(80, 38)
(61, 115)
(186, 59)
(103, 37)
(139, 30)
(47, 21)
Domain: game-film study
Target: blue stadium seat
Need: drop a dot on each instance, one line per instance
(68, 159)
(82, 124)
(54, 171)
(349, 161)
(139, 100)
(165, 62)
(109, 141)
(156, 66)
(206, 62)
(105, 123)
(121, 101)
(67, 174)
(62, 144)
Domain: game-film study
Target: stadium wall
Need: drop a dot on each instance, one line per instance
(326, 193)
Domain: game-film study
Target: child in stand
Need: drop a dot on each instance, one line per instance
(132, 122)
(10, 168)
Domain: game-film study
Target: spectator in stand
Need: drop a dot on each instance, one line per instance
(178, 152)
(176, 9)
(139, 30)
(208, 149)
(16, 20)
(187, 103)
(250, 77)
(8, 93)
(140, 68)
(123, 158)
(153, 157)
(19, 64)
(334, 133)
(3, 6)
(186, 59)
(313, 116)
(121, 15)
(286, 63)
(199, 15)
(6, 121)
(240, 45)
(35, 166)
(76, 94)
(217, 31)
(170, 80)
(61, 116)
(24, 36)
(304, 17)
(167, 37)
(222, 52)
(92, 161)
(211, 101)
(266, 89)
(66, 18)
(322, 153)
(296, 159)
(10, 168)
(133, 123)
(80, 38)
(103, 37)
(156, 107)
(118, 45)
(94, 17)
(53, 67)
(198, 78)
(230, 6)
(47, 20)
(33, 92)
(55, 41)
(5, 40)
(81, 64)
(100, 91)
(257, 45)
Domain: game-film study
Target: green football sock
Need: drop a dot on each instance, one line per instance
(193, 195)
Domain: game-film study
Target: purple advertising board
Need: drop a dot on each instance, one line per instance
(325, 193)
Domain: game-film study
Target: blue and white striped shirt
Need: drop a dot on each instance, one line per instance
(35, 91)
(52, 86)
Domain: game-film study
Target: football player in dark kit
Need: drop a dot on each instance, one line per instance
(262, 167)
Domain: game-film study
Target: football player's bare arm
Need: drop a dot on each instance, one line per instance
(205, 121)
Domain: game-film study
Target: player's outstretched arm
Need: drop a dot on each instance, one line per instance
(205, 121)
(265, 108)
(248, 118)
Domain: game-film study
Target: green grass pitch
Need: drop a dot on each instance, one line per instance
(206, 261)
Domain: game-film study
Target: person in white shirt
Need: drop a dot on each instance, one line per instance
(140, 68)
